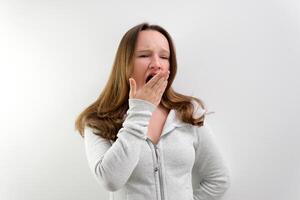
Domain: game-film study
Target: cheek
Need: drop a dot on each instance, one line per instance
(140, 66)
(166, 65)
(141, 63)
(140, 69)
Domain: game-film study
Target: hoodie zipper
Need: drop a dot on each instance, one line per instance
(158, 168)
(160, 172)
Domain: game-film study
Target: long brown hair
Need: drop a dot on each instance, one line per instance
(106, 115)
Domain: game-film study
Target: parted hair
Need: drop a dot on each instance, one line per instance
(107, 113)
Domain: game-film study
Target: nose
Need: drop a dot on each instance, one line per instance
(155, 64)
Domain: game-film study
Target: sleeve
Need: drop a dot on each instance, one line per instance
(210, 172)
(113, 163)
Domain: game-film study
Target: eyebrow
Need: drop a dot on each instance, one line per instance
(147, 50)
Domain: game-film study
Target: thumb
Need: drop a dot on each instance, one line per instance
(132, 88)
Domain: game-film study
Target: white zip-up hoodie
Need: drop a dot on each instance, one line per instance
(185, 164)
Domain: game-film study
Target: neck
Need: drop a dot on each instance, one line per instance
(161, 109)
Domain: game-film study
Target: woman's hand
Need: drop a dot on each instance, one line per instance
(152, 91)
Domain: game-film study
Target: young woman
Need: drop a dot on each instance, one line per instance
(143, 140)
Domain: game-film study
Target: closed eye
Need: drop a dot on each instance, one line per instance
(162, 57)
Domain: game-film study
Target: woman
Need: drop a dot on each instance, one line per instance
(143, 140)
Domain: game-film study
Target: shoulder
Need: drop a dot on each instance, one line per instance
(91, 134)
(198, 109)
(202, 134)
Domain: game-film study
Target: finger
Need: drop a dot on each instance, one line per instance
(168, 74)
(164, 86)
(160, 91)
(160, 81)
(132, 87)
(159, 84)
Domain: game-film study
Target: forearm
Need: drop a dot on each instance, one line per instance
(113, 164)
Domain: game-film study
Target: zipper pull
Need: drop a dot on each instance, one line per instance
(156, 169)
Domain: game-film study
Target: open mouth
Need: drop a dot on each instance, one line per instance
(149, 78)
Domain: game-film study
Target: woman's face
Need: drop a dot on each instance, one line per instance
(151, 55)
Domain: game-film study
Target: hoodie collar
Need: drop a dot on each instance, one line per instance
(172, 122)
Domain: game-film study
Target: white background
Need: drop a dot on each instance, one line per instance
(241, 57)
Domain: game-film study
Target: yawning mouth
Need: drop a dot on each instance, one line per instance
(148, 78)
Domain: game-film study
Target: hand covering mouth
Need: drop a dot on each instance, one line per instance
(150, 76)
